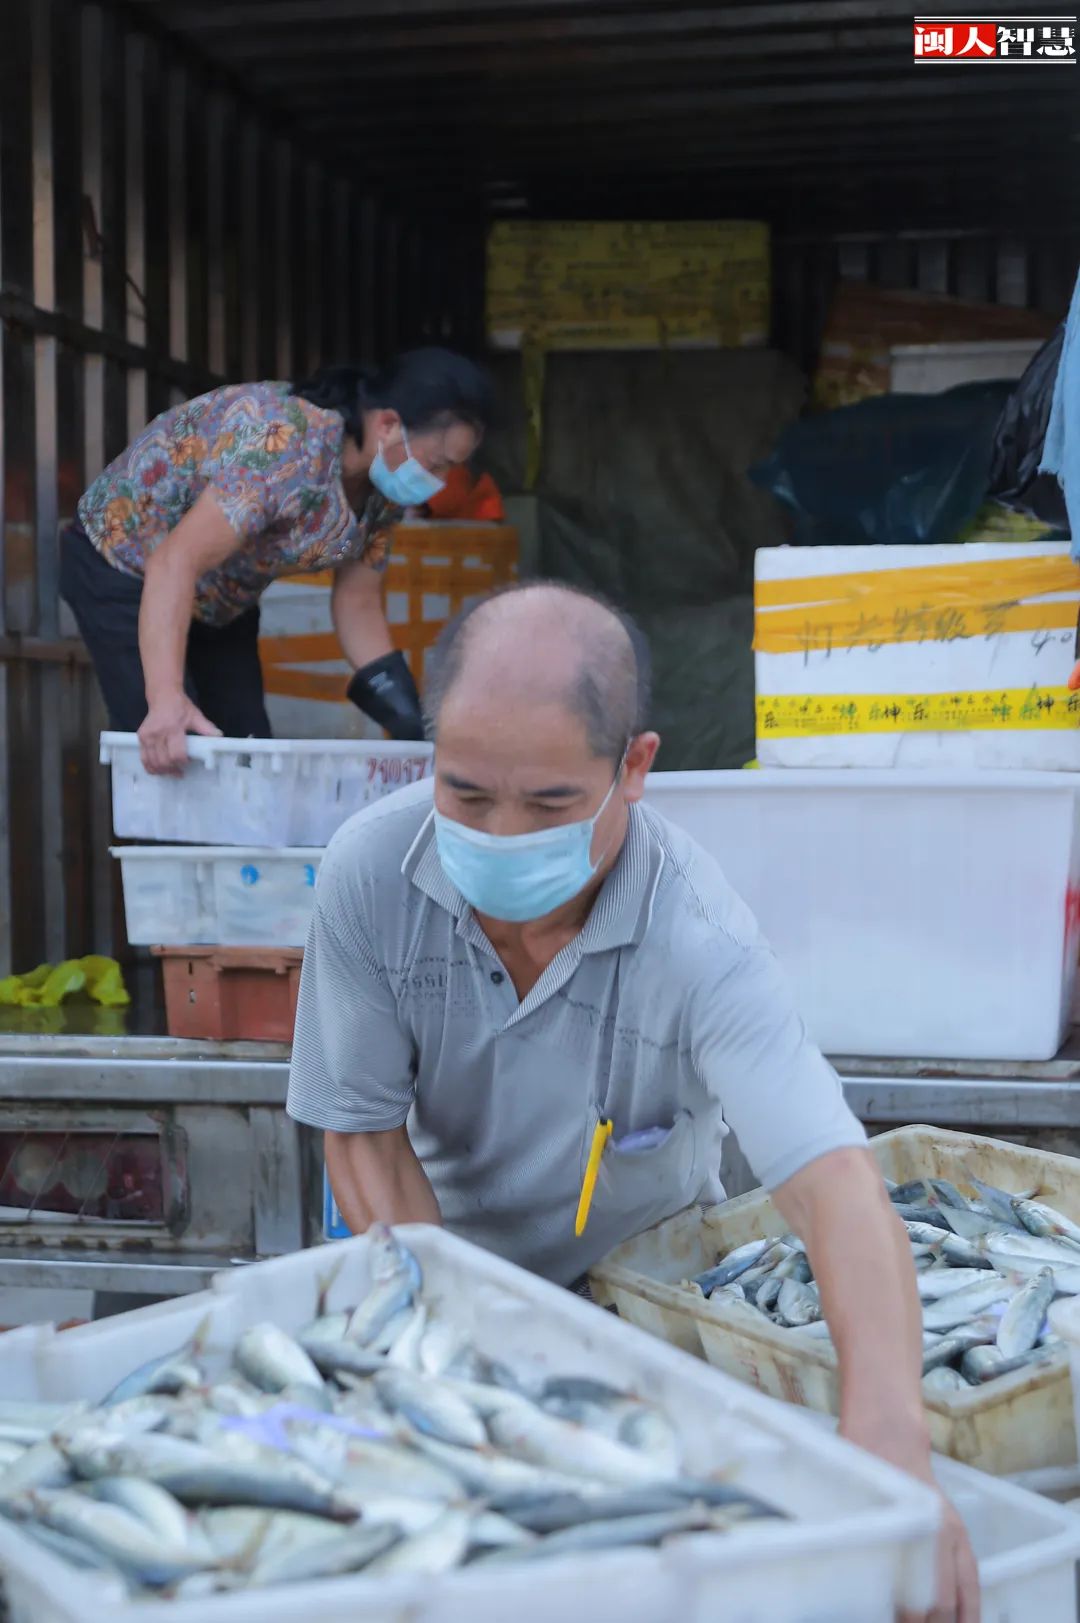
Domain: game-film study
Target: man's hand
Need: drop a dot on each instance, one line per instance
(1074, 679)
(957, 1571)
(163, 735)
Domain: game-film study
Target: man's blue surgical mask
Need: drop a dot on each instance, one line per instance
(411, 485)
(519, 877)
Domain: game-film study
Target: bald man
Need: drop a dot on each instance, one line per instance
(505, 959)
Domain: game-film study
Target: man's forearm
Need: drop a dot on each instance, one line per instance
(377, 1178)
(168, 601)
(862, 1264)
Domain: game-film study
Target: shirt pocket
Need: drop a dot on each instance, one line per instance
(636, 1188)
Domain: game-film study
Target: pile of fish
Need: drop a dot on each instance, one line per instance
(988, 1267)
(376, 1440)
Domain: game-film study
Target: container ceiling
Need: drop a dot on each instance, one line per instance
(811, 113)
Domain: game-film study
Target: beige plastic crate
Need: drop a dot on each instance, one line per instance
(1021, 1422)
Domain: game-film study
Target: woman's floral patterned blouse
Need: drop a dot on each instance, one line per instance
(273, 464)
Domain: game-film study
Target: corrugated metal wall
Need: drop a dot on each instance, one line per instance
(157, 235)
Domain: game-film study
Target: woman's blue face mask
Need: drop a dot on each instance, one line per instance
(411, 485)
(520, 877)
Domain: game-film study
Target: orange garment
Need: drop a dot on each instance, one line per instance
(464, 497)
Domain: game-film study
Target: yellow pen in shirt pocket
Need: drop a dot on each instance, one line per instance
(601, 1134)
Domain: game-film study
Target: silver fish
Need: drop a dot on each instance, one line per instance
(404, 1351)
(40, 1467)
(998, 1202)
(939, 1282)
(149, 1504)
(340, 1550)
(981, 1364)
(616, 1534)
(329, 1328)
(963, 1305)
(272, 1360)
(962, 1253)
(438, 1549)
(932, 1215)
(195, 1474)
(925, 1234)
(120, 1537)
(1044, 1220)
(942, 1350)
(653, 1434)
(768, 1292)
(73, 1550)
(396, 1279)
(990, 1368)
(173, 1372)
(798, 1304)
(431, 1406)
(1022, 1321)
(343, 1357)
(1026, 1254)
(498, 1476)
(561, 1446)
(737, 1262)
(942, 1382)
(968, 1224)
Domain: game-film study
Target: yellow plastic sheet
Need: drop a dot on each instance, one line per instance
(98, 979)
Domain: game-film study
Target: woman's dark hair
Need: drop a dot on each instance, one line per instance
(428, 388)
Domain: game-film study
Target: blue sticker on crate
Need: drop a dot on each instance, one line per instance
(249, 874)
(309, 874)
(334, 1225)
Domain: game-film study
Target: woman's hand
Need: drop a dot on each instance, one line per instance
(163, 735)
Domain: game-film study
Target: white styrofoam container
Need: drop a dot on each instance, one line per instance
(861, 1545)
(929, 368)
(920, 914)
(217, 896)
(283, 792)
(954, 641)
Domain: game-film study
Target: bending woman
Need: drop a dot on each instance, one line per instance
(179, 537)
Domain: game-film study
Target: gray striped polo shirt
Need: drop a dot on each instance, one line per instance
(668, 1011)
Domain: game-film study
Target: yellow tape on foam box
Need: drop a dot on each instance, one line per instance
(954, 655)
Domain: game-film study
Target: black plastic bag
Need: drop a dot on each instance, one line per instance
(1015, 480)
(895, 470)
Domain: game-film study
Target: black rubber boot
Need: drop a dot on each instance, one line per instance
(385, 691)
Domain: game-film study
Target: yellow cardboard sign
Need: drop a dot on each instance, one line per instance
(627, 284)
(823, 715)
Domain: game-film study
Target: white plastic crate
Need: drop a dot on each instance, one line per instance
(218, 896)
(922, 914)
(282, 792)
(1026, 1547)
(862, 1542)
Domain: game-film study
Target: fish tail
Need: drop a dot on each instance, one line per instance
(326, 1283)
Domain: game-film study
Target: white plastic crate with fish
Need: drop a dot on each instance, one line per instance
(257, 791)
(1018, 1422)
(859, 1541)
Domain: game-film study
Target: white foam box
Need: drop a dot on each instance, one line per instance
(282, 792)
(917, 656)
(217, 896)
(924, 914)
(860, 1545)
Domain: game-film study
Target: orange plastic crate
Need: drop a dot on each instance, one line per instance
(231, 994)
